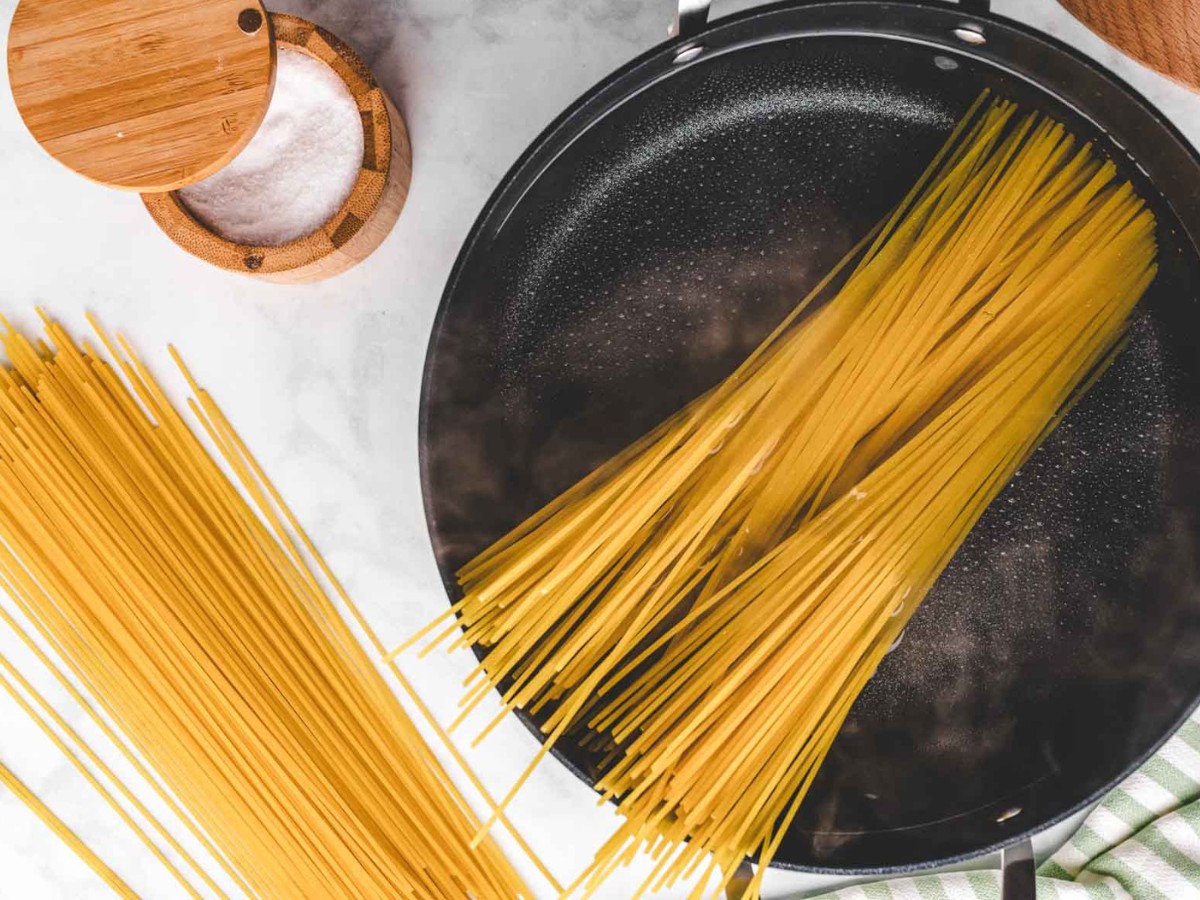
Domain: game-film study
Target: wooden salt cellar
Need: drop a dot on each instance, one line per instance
(368, 214)
(128, 94)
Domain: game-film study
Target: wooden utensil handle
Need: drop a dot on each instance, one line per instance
(1163, 34)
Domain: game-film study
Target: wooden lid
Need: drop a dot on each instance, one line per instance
(141, 95)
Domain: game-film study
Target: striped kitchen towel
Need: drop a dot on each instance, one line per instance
(1141, 842)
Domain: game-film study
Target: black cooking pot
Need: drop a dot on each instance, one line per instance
(656, 231)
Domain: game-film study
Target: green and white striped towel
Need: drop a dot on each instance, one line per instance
(1141, 842)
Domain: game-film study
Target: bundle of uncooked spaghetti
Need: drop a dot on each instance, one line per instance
(709, 604)
(191, 618)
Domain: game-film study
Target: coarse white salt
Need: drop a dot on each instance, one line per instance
(299, 167)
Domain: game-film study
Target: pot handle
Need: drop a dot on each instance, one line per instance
(693, 15)
(1018, 878)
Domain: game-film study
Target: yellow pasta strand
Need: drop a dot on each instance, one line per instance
(706, 607)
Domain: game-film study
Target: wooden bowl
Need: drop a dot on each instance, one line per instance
(363, 221)
(1163, 34)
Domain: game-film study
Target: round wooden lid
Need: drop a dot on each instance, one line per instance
(145, 96)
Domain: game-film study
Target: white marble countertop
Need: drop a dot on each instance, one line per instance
(323, 380)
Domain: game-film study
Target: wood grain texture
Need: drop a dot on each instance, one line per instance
(1163, 34)
(364, 220)
(141, 96)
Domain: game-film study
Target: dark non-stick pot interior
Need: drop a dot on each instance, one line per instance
(648, 243)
